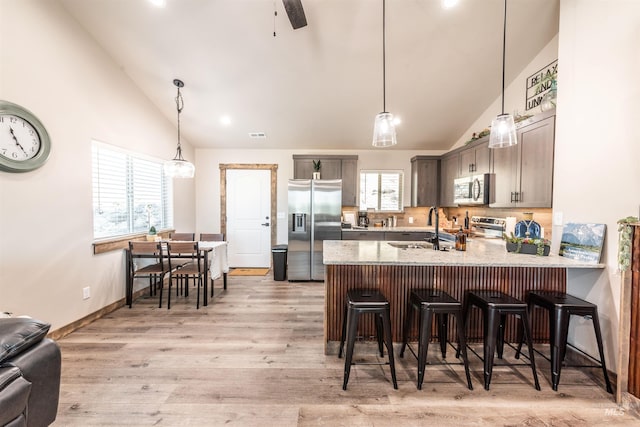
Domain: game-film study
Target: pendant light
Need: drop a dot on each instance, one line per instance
(384, 128)
(503, 128)
(179, 167)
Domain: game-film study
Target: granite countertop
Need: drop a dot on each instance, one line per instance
(480, 252)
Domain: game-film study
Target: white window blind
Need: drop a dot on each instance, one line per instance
(130, 193)
(381, 190)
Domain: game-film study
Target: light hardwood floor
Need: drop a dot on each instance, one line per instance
(254, 357)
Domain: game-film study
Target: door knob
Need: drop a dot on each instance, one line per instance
(266, 224)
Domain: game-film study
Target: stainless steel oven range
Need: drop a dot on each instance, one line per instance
(487, 227)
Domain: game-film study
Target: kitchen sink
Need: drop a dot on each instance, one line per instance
(411, 245)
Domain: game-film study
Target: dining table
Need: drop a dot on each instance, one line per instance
(215, 257)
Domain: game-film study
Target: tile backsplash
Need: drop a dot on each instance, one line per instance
(449, 216)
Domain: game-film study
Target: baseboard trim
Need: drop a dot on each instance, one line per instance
(92, 317)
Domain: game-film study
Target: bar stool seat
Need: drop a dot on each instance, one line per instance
(361, 301)
(560, 307)
(495, 307)
(432, 302)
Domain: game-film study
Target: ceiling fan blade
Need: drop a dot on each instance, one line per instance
(296, 13)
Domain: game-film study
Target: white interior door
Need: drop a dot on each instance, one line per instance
(248, 217)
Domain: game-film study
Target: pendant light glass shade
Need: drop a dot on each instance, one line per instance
(178, 167)
(550, 99)
(384, 127)
(503, 132)
(384, 130)
(503, 128)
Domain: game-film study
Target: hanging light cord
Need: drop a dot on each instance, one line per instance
(384, 75)
(179, 106)
(504, 48)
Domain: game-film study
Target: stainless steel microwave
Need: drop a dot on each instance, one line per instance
(474, 189)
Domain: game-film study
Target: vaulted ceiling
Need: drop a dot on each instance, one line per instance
(320, 86)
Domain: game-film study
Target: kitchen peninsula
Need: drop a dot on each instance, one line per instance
(396, 268)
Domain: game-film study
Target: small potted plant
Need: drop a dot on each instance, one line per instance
(625, 233)
(152, 234)
(527, 245)
(316, 167)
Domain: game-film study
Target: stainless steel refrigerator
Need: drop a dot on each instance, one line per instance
(315, 207)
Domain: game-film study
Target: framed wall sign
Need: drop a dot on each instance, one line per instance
(539, 83)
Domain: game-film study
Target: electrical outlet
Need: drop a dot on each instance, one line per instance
(410, 220)
(86, 292)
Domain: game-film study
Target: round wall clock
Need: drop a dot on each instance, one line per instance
(24, 142)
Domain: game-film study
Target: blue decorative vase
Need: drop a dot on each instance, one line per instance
(527, 228)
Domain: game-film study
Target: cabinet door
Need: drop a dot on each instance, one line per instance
(536, 164)
(362, 235)
(405, 236)
(303, 169)
(330, 168)
(424, 182)
(483, 158)
(349, 182)
(475, 160)
(505, 162)
(467, 161)
(449, 167)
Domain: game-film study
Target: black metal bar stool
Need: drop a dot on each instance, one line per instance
(431, 302)
(495, 307)
(561, 307)
(360, 301)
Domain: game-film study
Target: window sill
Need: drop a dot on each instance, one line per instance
(114, 244)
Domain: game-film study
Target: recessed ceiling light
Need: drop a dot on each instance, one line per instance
(448, 4)
(257, 135)
(225, 120)
(158, 3)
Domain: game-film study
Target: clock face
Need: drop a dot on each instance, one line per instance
(24, 142)
(19, 140)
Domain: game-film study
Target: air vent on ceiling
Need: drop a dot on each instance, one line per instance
(257, 135)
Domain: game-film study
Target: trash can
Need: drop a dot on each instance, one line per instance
(279, 253)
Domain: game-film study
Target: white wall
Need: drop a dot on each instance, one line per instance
(208, 179)
(515, 93)
(79, 94)
(597, 154)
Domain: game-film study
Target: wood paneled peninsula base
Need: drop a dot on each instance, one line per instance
(395, 271)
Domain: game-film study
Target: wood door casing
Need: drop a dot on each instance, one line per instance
(634, 330)
(223, 193)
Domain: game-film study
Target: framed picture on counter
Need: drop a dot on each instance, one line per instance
(583, 242)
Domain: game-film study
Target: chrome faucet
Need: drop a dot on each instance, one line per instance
(436, 239)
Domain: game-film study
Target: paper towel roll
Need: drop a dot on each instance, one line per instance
(510, 225)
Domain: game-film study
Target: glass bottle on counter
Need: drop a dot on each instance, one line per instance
(461, 240)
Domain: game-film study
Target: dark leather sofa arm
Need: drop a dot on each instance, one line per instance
(23, 346)
(14, 393)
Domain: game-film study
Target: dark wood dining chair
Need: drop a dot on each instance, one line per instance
(212, 237)
(155, 269)
(178, 262)
(193, 267)
(184, 237)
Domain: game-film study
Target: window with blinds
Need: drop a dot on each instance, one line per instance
(130, 193)
(381, 190)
